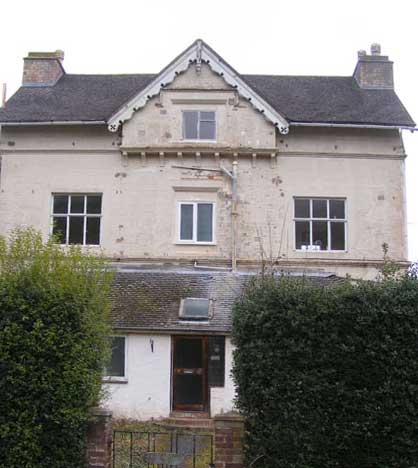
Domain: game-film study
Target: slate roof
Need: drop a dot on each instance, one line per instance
(149, 299)
(319, 99)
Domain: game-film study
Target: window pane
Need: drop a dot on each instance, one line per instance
(76, 230)
(93, 231)
(186, 222)
(195, 309)
(59, 229)
(60, 203)
(190, 119)
(207, 115)
(117, 362)
(204, 222)
(77, 203)
(302, 233)
(301, 208)
(94, 204)
(319, 209)
(337, 209)
(207, 131)
(320, 234)
(337, 236)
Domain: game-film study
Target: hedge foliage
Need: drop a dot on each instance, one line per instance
(53, 348)
(328, 377)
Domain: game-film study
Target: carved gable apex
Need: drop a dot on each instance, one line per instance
(202, 79)
(198, 54)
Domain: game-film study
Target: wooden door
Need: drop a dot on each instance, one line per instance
(190, 373)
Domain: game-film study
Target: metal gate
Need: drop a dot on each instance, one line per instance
(137, 449)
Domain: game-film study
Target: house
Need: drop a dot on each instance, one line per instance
(189, 180)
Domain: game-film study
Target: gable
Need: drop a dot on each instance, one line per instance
(196, 55)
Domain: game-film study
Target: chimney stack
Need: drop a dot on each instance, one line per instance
(374, 71)
(43, 68)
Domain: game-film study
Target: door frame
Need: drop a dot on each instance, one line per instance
(205, 390)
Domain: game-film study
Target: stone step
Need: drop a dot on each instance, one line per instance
(184, 421)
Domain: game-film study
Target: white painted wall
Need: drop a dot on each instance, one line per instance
(146, 394)
(222, 398)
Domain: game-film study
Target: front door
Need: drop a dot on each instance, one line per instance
(189, 373)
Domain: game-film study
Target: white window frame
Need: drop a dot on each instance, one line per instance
(114, 378)
(84, 215)
(327, 219)
(198, 125)
(194, 240)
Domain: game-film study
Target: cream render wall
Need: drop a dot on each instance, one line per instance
(140, 201)
(146, 393)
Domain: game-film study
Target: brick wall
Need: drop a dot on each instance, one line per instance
(229, 429)
(99, 439)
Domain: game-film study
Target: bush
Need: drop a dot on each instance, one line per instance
(53, 348)
(328, 377)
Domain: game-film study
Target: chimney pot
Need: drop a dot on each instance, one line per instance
(361, 53)
(375, 49)
(42, 68)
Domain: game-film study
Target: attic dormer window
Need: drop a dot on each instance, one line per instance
(193, 308)
(199, 125)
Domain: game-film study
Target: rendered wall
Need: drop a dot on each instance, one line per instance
(146, 393)
(140, 203)
(222, 398)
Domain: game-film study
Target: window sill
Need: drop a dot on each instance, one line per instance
(115, 380)
(80, 245)
(321, 251)
(194, 243)
(198, 141)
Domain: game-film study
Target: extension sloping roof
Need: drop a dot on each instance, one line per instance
(148, 299)
(316, 99)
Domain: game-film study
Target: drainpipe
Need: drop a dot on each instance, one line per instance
(234, 212)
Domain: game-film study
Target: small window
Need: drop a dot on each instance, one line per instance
(320, 224)
(199, 125)
(196, 222)
(193, 308)
(116, 368)
(76, 218)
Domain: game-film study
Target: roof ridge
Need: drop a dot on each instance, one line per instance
(296, 76)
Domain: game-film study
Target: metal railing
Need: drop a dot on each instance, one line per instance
(173, 449)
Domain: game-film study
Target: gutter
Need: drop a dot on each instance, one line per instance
(51, 122)
(380, 127)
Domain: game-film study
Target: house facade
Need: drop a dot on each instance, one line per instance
(189, 180)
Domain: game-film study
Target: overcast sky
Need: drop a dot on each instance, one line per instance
(301, 37)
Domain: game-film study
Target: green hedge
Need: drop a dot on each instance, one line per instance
(328, 377)
(53, 347)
